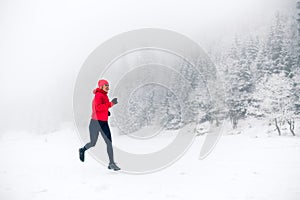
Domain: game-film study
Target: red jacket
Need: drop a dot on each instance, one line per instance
(100, 105)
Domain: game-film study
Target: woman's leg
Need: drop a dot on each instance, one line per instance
(94, 129)
(105, 132)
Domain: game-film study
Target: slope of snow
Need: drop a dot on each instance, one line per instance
(240, 167)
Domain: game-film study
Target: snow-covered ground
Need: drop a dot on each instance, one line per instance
(250, 165)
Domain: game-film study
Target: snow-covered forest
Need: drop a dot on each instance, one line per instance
(260, 74)
(256, 61)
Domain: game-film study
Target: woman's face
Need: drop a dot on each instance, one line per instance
(105, 87)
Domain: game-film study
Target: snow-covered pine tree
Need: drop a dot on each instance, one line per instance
(239, 81)
(252, 53)
(296, 78)
(185, 84)
(252, 48)
(293, 62)
(172, 117)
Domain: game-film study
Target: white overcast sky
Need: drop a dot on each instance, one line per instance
(44, 43)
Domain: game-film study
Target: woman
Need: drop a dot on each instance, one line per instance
(99, 122)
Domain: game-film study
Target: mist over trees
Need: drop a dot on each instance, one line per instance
(260, 72)
(42, 54)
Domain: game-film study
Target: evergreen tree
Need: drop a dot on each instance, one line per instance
(240, 81)
(172, 117)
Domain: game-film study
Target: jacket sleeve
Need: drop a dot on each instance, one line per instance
(100, 104)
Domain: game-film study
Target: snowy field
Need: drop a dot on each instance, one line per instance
(251, 165)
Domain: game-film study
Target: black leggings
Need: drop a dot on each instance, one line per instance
(95, 127)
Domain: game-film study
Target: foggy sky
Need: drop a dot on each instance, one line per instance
(44, 43)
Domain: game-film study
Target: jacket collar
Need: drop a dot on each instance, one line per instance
(99, 90)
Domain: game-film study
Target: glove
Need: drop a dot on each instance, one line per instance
(114, 101)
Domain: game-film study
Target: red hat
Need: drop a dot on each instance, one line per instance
(102, 82)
